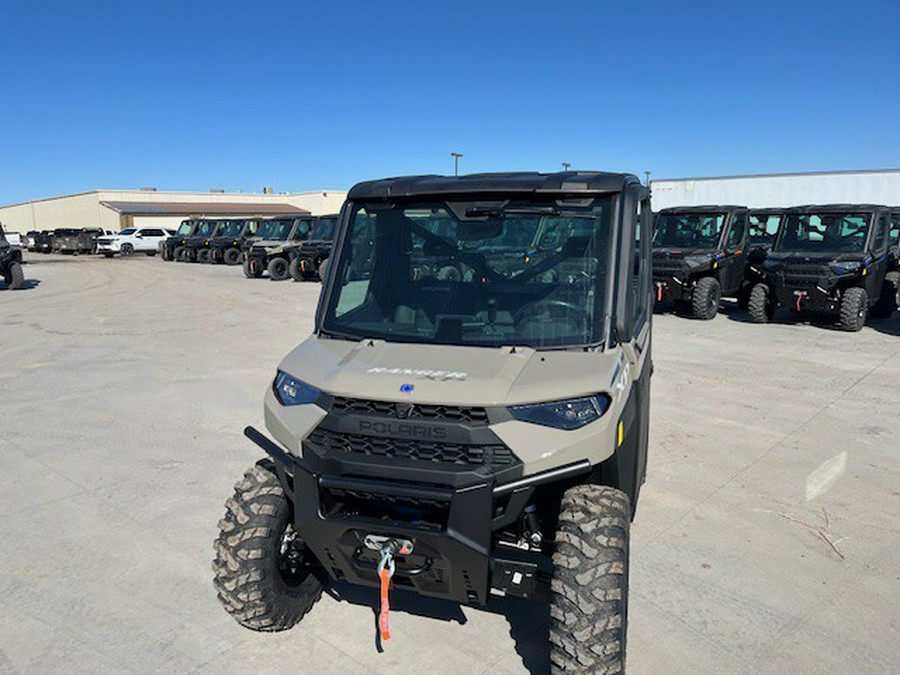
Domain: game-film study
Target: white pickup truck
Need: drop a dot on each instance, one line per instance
(133, 240)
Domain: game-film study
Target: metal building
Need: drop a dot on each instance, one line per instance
(781, 189)
(118, 209)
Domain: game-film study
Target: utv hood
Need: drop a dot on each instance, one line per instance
(450, 375)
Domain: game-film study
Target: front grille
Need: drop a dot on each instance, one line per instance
(802, 275)
(414, 449)
(668, 266)
(438, 413)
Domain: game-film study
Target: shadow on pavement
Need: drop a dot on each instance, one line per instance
(27, 285)
(528, 620)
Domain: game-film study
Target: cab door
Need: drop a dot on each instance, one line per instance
(634, 312)
(733, 263)
(878, 253)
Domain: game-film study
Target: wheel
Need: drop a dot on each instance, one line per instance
(887, 301)
(705, 299)
(180, 254)
(761, 306)
(127, 250)
(589, 589)
(854, 308)
(14, 276)
(323, 269)
(251, 273)
(278, 269)
(232, 256)
(296, 271)
(149, 254)
(203, 255)
(108, 254)
(263, 574)
(164, 253)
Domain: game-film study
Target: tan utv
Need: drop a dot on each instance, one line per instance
(461, 435)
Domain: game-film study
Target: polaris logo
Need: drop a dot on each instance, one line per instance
(439, 375)
(401, 429)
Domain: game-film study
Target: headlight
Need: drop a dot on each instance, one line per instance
(568, 415)
(848, 267)
(698, 260)
(291, 391)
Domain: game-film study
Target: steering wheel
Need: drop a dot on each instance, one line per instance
(557, 306)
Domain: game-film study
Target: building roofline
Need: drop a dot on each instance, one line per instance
(191, 193)
(776, 175)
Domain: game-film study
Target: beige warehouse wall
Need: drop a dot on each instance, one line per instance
(85, 210)
(82, 210)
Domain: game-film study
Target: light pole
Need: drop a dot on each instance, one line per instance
(647, 178)
(456, 156)
(566, 166)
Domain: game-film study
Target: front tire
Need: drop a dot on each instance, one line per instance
(14, 276)
(262, 571)
(232, 256)
(762, 308)
(203, 255)
(323, 269)
(296, 271)
(249, 272)
(705, 299)
(180, 254)
(854, 309)
(589, 589)
(127, 250)
(279, 270)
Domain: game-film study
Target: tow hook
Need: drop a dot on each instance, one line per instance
(388, 547)
(800, 296)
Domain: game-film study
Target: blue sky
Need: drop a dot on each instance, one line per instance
(237, 95)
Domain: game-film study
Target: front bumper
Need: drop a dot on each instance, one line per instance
(455, 554)
(108, 248)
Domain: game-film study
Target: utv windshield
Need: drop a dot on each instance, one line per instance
(274, 230)
(206, 228)
(688, 230)
(324, 229)
(764, 227)
(303, 229)
(230, 228)
(522, 273)
(185, 227)
(831, 232)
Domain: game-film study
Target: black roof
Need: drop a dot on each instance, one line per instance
(769, 209)
(836, 208)
(705, 208)
(564, 182)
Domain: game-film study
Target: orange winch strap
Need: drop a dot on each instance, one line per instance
(385, 576)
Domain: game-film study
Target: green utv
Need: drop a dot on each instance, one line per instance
(699, 255)
(461, 436)
(834, 258)
(10, 263)
(309, 259)
(272, 249)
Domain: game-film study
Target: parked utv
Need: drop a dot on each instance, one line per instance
(10, 263)
(833, 258)
(185, 230)
(309, 259)
(461, 437)
(226, 247)
(270, 252)
(196, 247)
(699, 255)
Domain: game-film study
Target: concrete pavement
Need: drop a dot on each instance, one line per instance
(765, 540)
